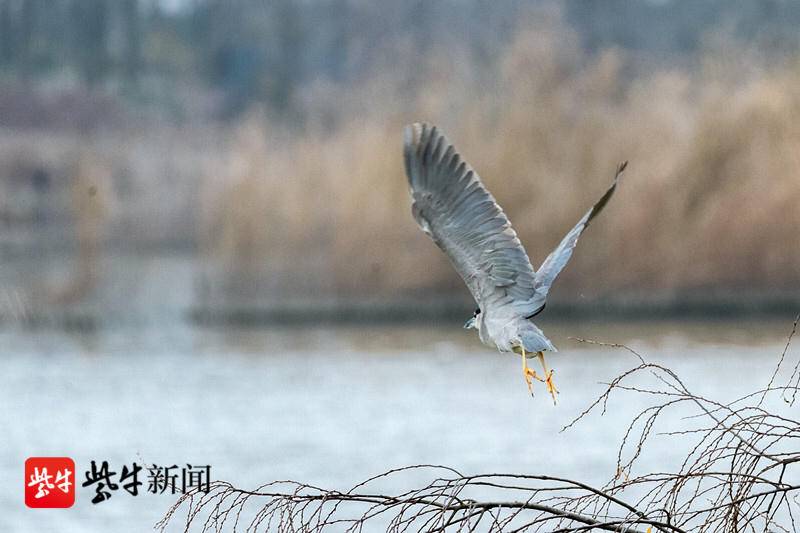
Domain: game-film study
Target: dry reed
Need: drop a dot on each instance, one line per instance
(708, 203)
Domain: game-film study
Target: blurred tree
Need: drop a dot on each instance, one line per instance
(286, 67)
(90, 19)
(254, 51)
(26, 38)
(7, 52)
(340, 27)
(133, 39)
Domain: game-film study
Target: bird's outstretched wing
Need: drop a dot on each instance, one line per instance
(559, 257)
(452, 206)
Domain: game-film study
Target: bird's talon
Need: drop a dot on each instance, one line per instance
(528, 374)
(551, 387)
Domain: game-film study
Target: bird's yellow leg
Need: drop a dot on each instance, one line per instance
(548, 379)
(528, 373)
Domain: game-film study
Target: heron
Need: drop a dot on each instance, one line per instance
(452, 206)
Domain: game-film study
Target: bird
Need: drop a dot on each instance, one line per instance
(450, 204)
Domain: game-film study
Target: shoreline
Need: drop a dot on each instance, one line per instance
(349, 312)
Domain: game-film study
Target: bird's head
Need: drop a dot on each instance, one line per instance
(474, 321)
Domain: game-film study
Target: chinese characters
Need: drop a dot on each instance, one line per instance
(160, 479)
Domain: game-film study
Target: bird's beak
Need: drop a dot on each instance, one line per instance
(469, 324)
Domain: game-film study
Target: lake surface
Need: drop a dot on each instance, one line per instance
(332, 406)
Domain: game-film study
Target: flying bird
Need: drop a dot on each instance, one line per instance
(452, 206)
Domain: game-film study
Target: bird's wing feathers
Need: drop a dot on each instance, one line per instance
(559, 257)
(453, 207)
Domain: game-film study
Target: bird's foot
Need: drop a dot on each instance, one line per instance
(529, 373)
(551, 387)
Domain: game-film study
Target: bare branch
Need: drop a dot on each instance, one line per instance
(739, 474)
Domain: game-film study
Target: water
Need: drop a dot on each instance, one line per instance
(330, 406)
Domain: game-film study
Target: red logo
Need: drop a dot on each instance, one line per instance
(49, 482)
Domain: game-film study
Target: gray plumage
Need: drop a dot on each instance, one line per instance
(451, 205)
